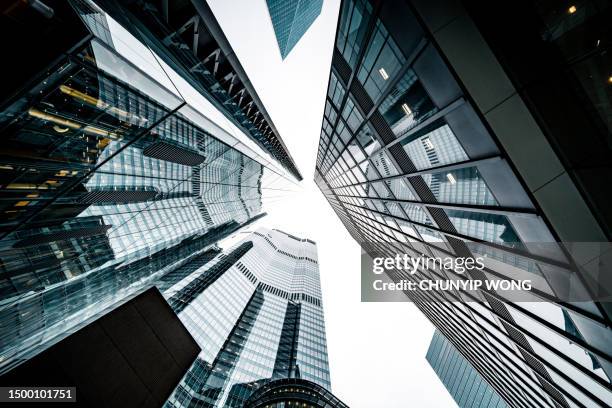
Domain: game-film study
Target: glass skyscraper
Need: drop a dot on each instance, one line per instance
(291, 19)
(430, 145)
(186, 36)
(466, 386)
(256, 312)
(115, 172)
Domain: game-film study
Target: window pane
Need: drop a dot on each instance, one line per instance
(407, 105)
(352, 31)
(488, 227)
(400, 189)
(462, 186)
(383, 164)
(434, 146)
(365, 137)
(416, 214)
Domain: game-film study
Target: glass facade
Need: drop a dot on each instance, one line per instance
(466, 386)
(186, 36)
(409, 164)
(114, 174)
(256, 312)
(291, 19)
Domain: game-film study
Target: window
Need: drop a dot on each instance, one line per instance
(407, 105)
(435, 145)
(381, 62)
(352, 115)
(487, 227)
(336, 91)
(353, 27)
(468, 188)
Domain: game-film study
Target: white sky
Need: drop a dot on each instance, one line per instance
(376, 350)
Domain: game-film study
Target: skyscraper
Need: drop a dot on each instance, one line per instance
(443, 137)
(291, 19)
(115, 172)
(462, 381)
(186, 36)
(256, 312)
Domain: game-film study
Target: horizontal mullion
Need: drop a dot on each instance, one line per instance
(473, 239)
(439, 114)
(489, 209)
(435, 169)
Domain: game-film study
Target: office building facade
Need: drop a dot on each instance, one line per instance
(115, 172)
(462, 381)
(186, 36)
(442, 137)
(291, 19)
(256, 312)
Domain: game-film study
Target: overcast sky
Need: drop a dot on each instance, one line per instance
(376, 350)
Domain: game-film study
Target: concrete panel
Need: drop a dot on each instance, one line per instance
(474, 63)
(522, 138)
(568, 213)
(436, 78)
(470, 132)
(503, 184)
(438, 13)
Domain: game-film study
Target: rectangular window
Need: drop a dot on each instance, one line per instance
(461, 186)
(407, 105)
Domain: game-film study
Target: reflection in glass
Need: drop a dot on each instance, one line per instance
(416, 213)
(336, 91)
(487, 227)
(435, 145)
(366, 138)
(461, 186)
(400, 189)
(351, 115)
(383, 164)
(353, 27)
(380, 63)
(406, 105)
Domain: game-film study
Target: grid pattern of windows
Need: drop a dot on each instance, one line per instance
(95, 210)
(409, 167)
(353, 26)
(291, 19)
(258, 317)
(466, 386)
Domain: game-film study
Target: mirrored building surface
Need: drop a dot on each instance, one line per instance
(115, 171)
(256, 312)
(461, 380)
(186, 36)
(291, 19)
(441, 136)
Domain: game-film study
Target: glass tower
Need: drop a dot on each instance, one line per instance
(115, 173)
(291, 19)
(427, 148)
(466, 386)
(186, 36)
(256, 312)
